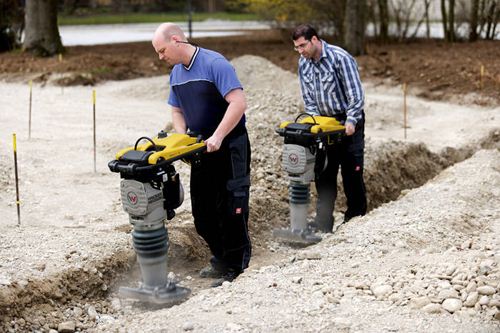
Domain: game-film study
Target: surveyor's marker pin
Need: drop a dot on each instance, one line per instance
(29, 112)
(18, 203)
(93, 103)
(405, 112)
(481, 80)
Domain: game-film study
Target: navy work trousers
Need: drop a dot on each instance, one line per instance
(220, 183)
(349, 155)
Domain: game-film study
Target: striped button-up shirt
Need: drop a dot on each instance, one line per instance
(331, 86)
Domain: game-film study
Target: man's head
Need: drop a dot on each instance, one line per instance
(169, 42)
(306, 41)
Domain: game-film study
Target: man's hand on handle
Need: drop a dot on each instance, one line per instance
(213, 143)
(349, 129)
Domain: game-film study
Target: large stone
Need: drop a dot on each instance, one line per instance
(92, 313)
(419, 302)
(188, 326)
(484, 300)
(66, 327)
(472, 286)
(452, 304)
(433, 308)
(486, 290)
(77, 311)
(382, 290)
(448, 293)
(472, 299)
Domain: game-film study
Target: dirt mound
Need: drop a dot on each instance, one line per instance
(391, 167)
(492, 141)
(395, 166)
(40, 304)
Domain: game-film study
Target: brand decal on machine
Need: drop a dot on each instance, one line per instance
(293, 158)
(132, 198)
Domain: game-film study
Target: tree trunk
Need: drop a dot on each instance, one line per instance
(495, 22)
(451, 21)
(445, 20)
(384, 19)
(427, 20)
(354, 21)
(42, 34)
(473, 21)
(492, 17)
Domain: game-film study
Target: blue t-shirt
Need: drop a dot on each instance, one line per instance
(199, 90)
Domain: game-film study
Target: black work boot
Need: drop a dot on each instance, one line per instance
(216, 269)
(321, 227)
(211, 272)
(229, 276)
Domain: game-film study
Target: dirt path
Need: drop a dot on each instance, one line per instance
(73, 240)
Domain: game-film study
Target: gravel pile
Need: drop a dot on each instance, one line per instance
(427, 261)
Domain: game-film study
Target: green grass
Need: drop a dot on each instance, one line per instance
(150, 18)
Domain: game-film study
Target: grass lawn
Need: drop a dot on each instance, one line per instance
(150, 18)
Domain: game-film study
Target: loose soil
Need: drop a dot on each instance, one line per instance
(437, 69)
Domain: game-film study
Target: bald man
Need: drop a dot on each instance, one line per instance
(207, 99)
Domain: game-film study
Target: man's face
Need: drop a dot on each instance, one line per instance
(306, 48)
(165, 50)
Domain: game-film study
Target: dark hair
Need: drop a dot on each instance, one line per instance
(304, 30)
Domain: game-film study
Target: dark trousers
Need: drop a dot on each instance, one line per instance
(220, 183)
(348, 154)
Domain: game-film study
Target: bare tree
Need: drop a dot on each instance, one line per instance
(383, 9)
(354, 37)
(427, 3)
(42, 34)
(403, 12)
(492, 15)
(474, 16)
(448, 18)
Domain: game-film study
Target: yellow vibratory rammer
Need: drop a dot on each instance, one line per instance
(150, 191)
(303, 140)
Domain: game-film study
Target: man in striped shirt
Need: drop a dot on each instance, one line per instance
(330, 85)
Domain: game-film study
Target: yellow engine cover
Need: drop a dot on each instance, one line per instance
(324, 125)
(174, 146)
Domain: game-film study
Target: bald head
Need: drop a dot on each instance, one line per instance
(171, 44)
(166, 31)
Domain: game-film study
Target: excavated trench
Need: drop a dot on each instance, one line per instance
(88, 295)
